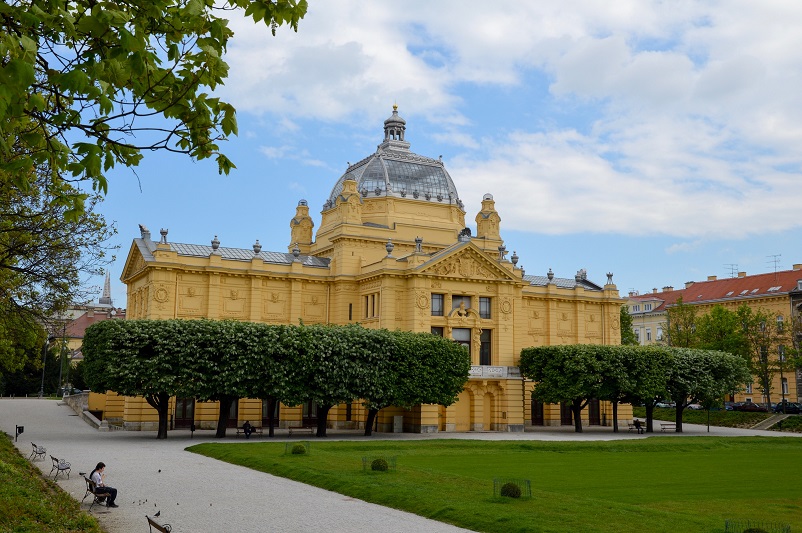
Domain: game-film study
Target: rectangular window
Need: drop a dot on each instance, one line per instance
(659, 334)
(350, 312)
(647, 307)
(748, 388)
(372, 305)
(458, 301)
(781, 353)
(637, 335)
(463, 337)
(779, 323)
(648, 334)
(484, 347)
(437, 305)
(437, 331)
(785, 386)
(484, 307)
(636, 308)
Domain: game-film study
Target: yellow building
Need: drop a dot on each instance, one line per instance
(392, 251)
(771, 292)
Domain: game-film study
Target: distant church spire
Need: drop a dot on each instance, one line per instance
(106, 298)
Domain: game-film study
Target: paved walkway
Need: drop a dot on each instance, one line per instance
(199, 494)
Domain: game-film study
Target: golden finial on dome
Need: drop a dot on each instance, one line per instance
(395, 107)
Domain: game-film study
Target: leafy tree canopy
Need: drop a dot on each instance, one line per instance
(628, 337)
(89, 84)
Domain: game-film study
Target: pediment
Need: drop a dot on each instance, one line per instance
(467, 262)
(134, 263)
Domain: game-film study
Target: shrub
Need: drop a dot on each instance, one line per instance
(379, 465)
(299, 449)
(755, 530)
(511, 490)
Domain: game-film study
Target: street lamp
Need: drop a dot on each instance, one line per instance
(44, 361)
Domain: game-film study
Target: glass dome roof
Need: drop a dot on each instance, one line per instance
(396, 171)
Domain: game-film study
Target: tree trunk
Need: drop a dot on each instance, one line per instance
(222, 416)
(271, 416)
(369, 423)
(650, 417)
(576, 410)
(322, 416)
(678, 419)
(615, 416)
(160, 402)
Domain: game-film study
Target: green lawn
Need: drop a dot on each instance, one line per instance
(663, 484)
(30, 503)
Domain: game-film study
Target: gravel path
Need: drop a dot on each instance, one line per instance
(199, 494)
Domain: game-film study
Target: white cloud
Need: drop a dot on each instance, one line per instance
(694, 107)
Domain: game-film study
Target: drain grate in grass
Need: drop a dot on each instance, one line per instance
(755, 526)
(512, 488)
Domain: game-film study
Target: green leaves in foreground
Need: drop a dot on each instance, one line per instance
(86, 85)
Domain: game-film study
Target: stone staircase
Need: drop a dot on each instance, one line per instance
(770, 421)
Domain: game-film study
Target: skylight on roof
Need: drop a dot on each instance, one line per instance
(773, 289)
(744, 291)
(754, 291)
(729, 293)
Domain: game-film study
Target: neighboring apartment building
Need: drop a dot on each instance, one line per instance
(392, 251)
(779, 293)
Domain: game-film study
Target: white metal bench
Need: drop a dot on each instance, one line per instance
(59, 466)
(38, 452)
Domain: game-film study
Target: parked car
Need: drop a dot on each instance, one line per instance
(750, 407)
(695, 407)
(665, 404)
(67, 391)
(791, 408)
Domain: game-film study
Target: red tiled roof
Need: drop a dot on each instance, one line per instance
(76, 328)
(758, 285)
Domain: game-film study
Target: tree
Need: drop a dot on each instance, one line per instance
(721, 329)
(680, 328)
(645, 368)
(137, 358)
(44, 259)
(86, 85)
(422, 369)
(763, 338)
(628, 337)
(702, 376)
(571, 373)
(339, 364)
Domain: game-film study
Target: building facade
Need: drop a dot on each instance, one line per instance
(392, 251)
(777, 293)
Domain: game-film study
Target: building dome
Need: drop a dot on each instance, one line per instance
(396, 171)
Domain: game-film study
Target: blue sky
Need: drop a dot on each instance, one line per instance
(655, 140)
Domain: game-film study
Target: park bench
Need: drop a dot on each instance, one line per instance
(91, 488)
(254, 429)
(59, 466)
(665, 426)
(633, 427)
(310, 429)
(38, 452)
(155, 526)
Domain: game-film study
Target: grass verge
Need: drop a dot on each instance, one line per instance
(30, 503)
(727, 419)
(655, 484)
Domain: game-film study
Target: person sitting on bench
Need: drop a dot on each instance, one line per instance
(98, 475)
(638, 426)
(247, 428)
